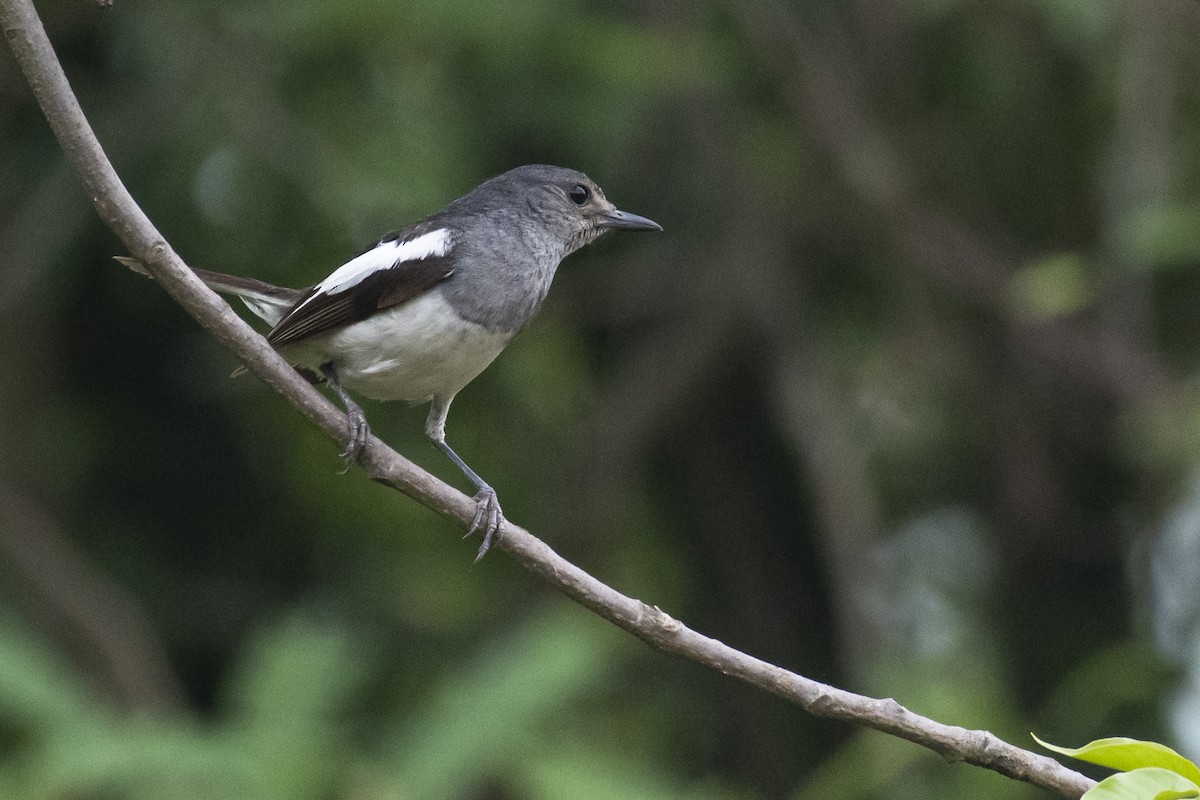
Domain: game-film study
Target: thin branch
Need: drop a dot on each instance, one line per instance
(118, 209)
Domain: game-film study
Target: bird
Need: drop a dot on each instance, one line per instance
(424, 311)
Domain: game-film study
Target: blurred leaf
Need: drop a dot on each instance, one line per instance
(37, 690)
(863, 767)
(930, 605)
(287, 701)
(639, 59)
(544, 372)
(145, 759)
(1164, 235)
(1050, 287)
(297, 674)
(1082, 28)
(1128, 674)
(480, 718)
(585, 773)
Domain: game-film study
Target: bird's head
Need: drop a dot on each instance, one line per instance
(564, 203)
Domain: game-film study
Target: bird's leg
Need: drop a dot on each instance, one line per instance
(488, 516)
(358, 431)
(487, 506)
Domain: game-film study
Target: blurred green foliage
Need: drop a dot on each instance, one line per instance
(903, 399)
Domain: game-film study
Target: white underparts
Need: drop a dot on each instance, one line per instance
(414, 351)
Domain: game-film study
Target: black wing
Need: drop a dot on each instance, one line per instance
(384, 286)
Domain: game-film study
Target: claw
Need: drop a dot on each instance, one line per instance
(357, 429)
(359, 435)
(488, 518)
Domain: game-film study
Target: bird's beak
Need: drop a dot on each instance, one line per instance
(623, 220)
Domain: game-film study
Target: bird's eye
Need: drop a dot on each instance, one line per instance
(579, 194)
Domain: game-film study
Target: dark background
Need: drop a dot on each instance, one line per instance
(904, 399)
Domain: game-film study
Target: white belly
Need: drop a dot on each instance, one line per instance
(410, 352)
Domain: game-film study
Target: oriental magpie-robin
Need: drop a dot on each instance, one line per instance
(425, 310)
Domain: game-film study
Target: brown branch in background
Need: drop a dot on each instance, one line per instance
(69, 598)
(814, 70)
(655, 381)
(751, 282)
(1136, 177)
(117, 208)
(813, 419)
(96, 619)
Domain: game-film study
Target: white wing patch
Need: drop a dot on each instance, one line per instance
(382, 256)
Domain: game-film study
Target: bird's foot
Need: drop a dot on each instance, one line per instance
(488, 519)
(359, 433)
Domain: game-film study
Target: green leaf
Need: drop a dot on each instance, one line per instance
(1051, 287)
(479, 722)
(1129, 754)
(1146, 783)
(1162, 235)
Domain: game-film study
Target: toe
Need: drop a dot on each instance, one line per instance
(359, 434)
(488, 518)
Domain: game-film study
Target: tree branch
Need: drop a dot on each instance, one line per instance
(117, 208)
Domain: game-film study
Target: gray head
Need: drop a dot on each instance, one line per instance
(564, 200)
(511, 233)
